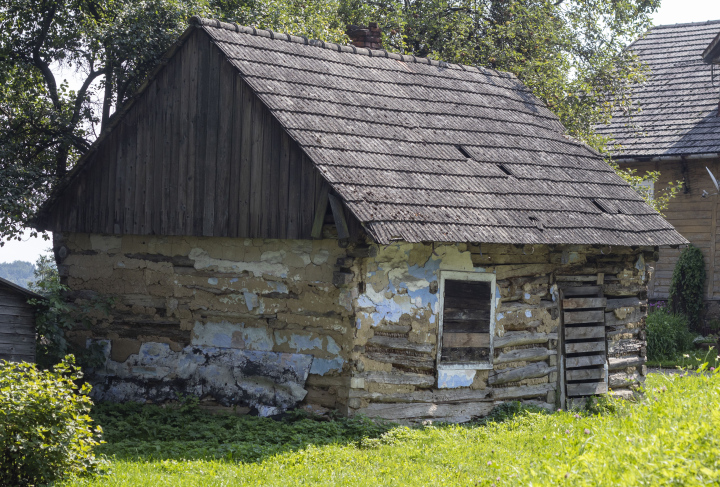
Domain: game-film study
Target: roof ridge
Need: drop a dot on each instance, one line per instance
(686, 24)
(333, 46)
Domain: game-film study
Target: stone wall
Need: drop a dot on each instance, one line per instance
(254, 323)
(273, 324)
(394, 372)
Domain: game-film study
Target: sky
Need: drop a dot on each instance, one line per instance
(671, 12)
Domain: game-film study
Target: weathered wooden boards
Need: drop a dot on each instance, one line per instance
(695, 217)
(466, 322)
(584, 339)
(233, 171)
(17, 324)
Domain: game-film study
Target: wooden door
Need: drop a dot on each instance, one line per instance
(584, 341)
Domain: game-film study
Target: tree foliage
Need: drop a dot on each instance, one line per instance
(569, 52)
(18, 272)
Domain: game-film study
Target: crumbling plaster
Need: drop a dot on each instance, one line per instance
(396, 319)
(360, 329)
(217, 298)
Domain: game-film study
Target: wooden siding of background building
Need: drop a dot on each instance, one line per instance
(695, 217)
(228, 170)
(17, 323)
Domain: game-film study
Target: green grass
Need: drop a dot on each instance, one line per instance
(688, 359)
(668, 438)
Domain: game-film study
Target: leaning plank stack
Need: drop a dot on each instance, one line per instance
(585, 341)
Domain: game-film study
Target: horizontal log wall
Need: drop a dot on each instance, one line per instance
(196, 154)
(17, 327)
(395, 375)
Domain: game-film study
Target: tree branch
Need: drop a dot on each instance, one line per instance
(40, 63)
(81, 95)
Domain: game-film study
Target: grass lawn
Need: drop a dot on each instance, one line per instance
(668, 438)
(688, 359)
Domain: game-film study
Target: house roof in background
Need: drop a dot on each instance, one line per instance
(11, 286)
(678, 101)
(426, 151)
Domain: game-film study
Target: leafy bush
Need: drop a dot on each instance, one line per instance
(688, 285)
(667, 335)
(45, 430)
(186, 432)
(56, 317)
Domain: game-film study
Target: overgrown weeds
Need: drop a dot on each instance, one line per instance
(184, 431)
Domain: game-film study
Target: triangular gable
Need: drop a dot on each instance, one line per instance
(196, 153)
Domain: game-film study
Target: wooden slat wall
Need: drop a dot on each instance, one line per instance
(197, 154)
(17, 328)
(584, 340)
(695, 217)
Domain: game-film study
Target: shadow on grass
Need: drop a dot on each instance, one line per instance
(137, 432)
(185, 432)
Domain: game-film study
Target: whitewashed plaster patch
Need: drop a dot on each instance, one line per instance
(332, 346)
(320, 257)
(299, 342)
(321, 366)
(252, 301)
(267, 267)
(231, 335)
(451, 379)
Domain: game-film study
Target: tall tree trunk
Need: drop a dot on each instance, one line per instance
(61, 159)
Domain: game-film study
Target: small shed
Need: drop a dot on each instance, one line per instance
(17, 323)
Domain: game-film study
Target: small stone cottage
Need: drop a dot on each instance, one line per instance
(288, 223)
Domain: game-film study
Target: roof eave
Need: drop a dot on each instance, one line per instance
(623, 159)
(19, 289)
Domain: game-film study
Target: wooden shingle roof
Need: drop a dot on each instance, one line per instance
(678, 101)
(421, 150)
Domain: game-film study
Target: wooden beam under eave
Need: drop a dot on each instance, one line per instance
(320, 209)
(339, 217)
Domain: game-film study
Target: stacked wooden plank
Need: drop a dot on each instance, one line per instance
(584, 341)
(466, 322)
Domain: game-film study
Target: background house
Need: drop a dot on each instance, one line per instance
(17, 323)
(287, 222)
(677, 132)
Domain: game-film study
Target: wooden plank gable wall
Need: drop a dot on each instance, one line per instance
(196, 154)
